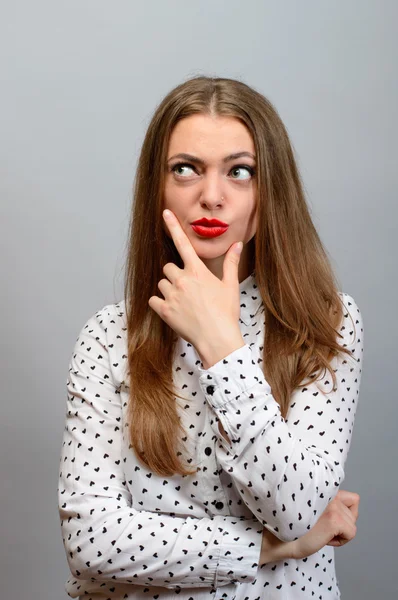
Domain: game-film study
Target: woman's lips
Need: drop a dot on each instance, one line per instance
(210, 232)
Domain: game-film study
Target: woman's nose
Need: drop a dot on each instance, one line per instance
(212, 192)
(211, 203)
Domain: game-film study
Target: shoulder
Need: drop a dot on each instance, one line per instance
(105, 320)
(351, 325)
(103, 336)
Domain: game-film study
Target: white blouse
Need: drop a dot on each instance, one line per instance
(129, 533)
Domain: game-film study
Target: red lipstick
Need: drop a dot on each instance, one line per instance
(209, 227)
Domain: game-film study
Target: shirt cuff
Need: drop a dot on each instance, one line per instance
(231, 377)
(240, 551)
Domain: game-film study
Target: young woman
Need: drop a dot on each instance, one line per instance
(207, 430)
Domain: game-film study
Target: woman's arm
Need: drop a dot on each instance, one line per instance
(273, 549)
(286, 470)
(104, 537)
(335, 527)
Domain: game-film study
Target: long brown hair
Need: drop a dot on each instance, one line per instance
(302, 308)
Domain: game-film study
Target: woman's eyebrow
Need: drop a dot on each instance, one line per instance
(199, 161)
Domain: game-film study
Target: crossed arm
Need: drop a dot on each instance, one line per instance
(286, 470)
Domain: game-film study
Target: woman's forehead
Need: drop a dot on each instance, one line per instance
(208, 135)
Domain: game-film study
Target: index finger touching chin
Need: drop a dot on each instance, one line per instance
(181, 241)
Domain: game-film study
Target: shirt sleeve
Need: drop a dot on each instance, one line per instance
(286, 470)
(104, 537)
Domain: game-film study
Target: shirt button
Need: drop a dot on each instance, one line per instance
(208, 451)
(219, 505)
(210, 389)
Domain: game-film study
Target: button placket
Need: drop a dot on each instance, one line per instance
(211, 482)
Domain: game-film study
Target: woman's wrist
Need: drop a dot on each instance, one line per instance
(274, 549)
(211, 353)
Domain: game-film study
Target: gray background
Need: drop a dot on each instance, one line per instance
(79, 83)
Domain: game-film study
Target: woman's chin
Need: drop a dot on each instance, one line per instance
(208, 249)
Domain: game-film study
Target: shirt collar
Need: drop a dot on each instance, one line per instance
(250, 298)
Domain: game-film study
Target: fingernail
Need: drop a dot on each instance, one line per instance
(166, 214)
(238, 248)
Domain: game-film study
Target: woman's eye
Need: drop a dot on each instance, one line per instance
(181, 167)
(242, 168)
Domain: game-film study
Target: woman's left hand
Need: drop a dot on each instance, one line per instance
(198, 306)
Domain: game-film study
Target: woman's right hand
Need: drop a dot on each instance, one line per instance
(335, 527)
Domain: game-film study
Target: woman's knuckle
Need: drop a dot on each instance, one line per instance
(333, 509)
(336, 520)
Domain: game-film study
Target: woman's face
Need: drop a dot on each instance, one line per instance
(195, 188)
